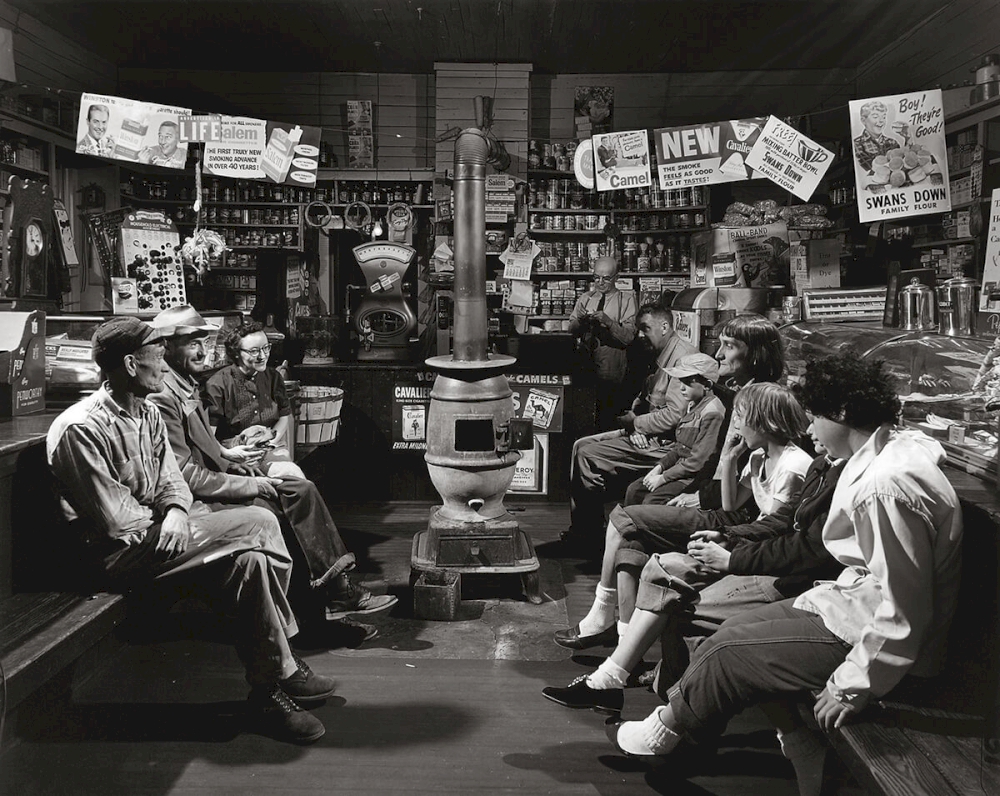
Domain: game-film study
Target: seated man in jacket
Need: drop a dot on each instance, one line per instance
(207, 466)
(128, 506)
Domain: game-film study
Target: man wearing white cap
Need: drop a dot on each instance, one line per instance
(206, 467)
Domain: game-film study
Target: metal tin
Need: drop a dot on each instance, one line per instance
(569, 222)
(791, 308)
(557, 222)
(590, 222)
(562, 163)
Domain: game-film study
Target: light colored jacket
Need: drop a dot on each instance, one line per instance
(666, 405)
(896, 525)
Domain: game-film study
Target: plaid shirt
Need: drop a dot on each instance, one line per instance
(867, 147)
(236, 402)
(114, 469)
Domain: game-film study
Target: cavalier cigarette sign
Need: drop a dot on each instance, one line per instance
(705, 154)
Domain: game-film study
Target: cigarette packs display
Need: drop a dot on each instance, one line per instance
(278, 155)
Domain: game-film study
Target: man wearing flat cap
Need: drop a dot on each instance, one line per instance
(123, 494)
(208, 467)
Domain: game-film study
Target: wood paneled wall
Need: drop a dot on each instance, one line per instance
(45, 58)
(656, 100)
(508, 84)
(939, 51)
(404, 104)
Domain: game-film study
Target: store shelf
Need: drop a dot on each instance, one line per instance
(375, 175)
(663, 230)
(944, 242)
(256, 248)
(960, 205)
(23, 171)
(597, 211)
(174, 202)
(953, 173)
(552, 173)
(548, 317)
(225, 224)
(577, 233)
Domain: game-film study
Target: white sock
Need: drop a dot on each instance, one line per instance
(607, 676)
(602, 612)
(807, 752)
(647, 737)
(622, 628)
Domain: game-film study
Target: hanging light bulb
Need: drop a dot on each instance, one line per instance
(377, 229)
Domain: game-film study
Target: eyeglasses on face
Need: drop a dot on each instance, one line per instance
(602, 278)
(253, 353)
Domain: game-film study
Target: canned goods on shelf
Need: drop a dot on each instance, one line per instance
(569, 222)
(557, 222)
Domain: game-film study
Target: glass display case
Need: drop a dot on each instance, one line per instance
(936, 377)
(810, 339)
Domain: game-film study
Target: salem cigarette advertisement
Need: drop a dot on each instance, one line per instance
(900, 155)
(125, 129)
(622, 160)
(789, 159)
(705, 154)
(254, 149)
(989, 298)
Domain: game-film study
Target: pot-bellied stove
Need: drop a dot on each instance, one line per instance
(473, 440)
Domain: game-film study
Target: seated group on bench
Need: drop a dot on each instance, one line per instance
(844, 584)
(128, 499)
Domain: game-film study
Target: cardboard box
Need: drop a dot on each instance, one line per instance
(741, 257)
(815, 263)
(22, 363)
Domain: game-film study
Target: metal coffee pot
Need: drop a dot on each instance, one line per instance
(917, 307)
(957, 303)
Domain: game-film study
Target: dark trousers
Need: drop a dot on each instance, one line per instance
(306, 519)
(638, 495)
(762, 655)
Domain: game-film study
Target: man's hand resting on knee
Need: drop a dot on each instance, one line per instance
(175, 533)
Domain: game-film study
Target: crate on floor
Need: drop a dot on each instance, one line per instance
(437, 595)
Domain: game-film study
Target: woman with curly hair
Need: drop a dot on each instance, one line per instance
(247, 402)
(896, 526)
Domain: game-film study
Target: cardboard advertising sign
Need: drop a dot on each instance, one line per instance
(705, 154)
(622, 160)
(741, 256)
(991, 270)
(125, 129)
(22, 363)
(900, 155)
(360, 142)
(253, 149)
(411, 402)
(790, 159)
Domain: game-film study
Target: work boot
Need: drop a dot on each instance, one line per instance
(277, 716)
(347, 598)
(305, 686)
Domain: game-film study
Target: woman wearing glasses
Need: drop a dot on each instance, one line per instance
(249, 393)
(603, 321)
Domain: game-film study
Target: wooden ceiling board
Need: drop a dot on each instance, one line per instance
(557, 36)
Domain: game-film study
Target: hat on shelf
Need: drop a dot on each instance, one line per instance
(116, 338)
(182, 320)
(695, 365)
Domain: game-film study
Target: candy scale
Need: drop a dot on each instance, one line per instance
(384, 320)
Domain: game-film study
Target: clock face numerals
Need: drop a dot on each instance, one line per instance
(33, 243)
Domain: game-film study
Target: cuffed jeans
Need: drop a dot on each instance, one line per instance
(239, 556)
(665, 529)
(313, 529)
(602, 467)
(763, 654)
(696, 601)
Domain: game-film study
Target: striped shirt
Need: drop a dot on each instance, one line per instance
(114, 469)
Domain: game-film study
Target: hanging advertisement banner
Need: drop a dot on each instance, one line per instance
(705, 154)
(254, 149)
(900, 155)
(622, 160)
(790, 159)
(989, 297)
(125, 129)
(360, 142)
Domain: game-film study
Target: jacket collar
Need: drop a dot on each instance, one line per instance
(866, 454)
(184, 387)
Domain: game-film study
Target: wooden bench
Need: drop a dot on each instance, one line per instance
(940, 737)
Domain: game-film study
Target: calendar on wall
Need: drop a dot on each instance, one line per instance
(154, 273)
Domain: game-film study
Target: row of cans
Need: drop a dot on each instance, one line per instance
(571, 221)
(568, 194)
(627, 223)
(255, 215)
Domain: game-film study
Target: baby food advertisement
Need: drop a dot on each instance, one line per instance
(900, 156)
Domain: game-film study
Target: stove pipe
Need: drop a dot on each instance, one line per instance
(471, 406)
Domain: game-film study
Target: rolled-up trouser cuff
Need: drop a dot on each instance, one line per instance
(659, 591)
(628, 554)
(343, 564)
(689, 724)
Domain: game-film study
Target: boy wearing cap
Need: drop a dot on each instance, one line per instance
(123, 494)
(695, 436)
(206, 467)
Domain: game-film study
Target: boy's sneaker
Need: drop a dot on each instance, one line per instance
(305, 686)
(352, 599)
(277, 716)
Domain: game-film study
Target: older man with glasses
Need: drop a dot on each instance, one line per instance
(603, 321)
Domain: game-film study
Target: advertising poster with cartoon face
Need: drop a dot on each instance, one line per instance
(900, 155)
